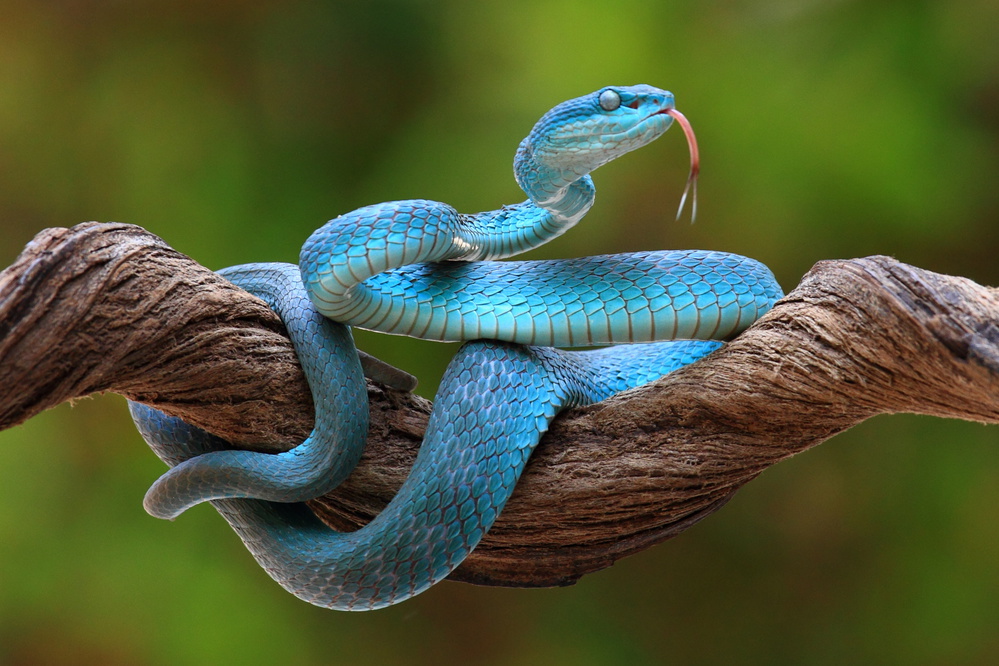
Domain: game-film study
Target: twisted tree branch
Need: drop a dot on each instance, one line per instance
(109, 307)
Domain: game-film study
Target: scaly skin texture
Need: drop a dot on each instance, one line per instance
(495, 402)
(320, 463)
(420, 268)
(367, 268)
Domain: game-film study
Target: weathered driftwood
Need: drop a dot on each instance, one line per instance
(110, 307)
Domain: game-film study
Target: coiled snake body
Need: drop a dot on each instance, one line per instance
(419, 268)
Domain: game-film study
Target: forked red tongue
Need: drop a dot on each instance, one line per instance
(695, 164)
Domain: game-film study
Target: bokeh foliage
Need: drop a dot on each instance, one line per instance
(232, 129)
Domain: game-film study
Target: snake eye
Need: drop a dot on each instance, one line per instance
(609, 100)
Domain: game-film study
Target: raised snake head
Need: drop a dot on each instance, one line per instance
(581, 134)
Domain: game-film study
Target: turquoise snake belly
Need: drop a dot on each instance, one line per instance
(422, 269)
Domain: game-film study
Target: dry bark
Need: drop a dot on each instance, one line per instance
(110, 307)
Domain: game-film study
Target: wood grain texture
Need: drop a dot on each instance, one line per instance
(110, 307)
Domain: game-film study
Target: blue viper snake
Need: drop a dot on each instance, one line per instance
(421, 269)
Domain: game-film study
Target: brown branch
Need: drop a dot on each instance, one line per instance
(109, 307)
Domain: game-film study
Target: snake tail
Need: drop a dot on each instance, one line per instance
(317, 465)
(495, 402)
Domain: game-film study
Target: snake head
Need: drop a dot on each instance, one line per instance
(581, 134)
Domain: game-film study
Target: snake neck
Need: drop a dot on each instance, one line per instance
(497, 234)
(559, 198)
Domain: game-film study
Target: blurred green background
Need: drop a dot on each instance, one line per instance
(232, 129)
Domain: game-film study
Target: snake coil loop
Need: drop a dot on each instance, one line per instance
(422, 269)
